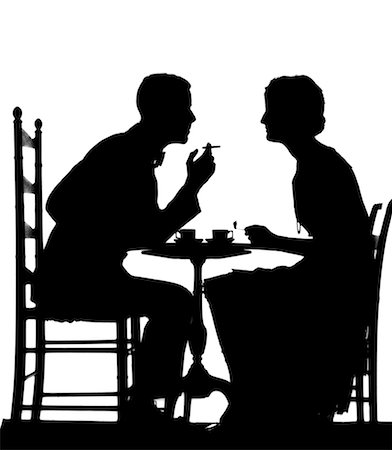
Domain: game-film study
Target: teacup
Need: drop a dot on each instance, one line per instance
(222, 235)
(186, 235)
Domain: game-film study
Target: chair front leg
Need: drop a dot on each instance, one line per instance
(39, 369)
(122, 362)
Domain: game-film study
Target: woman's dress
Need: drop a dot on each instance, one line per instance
(292, 336)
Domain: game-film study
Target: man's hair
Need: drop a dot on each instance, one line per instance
(160, 91)
(303, 95)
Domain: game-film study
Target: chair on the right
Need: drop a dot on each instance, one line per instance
(367, 372)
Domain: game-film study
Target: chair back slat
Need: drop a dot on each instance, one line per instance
(29, 231)
(28, 276)
(27, 141)
(28, 186)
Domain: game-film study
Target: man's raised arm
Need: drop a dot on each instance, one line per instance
(185, 205)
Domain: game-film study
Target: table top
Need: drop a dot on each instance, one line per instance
(203, 250)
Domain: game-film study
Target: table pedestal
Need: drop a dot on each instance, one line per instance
(198, 383)
(198, 332)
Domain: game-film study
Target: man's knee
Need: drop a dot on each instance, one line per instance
(180, 302)
(174, 303)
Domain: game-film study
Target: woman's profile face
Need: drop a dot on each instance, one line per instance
(279, 119)
(292, 113)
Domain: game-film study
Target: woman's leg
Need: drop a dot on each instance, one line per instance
(256, 315)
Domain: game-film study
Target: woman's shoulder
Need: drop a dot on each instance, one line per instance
(330, 155)
(332, 161)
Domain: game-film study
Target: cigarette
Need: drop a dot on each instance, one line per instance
(208, 146)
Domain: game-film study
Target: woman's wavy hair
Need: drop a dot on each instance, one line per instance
(301, 94)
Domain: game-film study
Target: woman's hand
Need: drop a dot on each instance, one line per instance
(201, 170)
(261, 236)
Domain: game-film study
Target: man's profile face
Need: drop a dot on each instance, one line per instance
(177, 117)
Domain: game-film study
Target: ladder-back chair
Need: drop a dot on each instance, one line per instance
(121, 345)
(367, 372)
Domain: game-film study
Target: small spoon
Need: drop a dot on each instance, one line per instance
(235, 226)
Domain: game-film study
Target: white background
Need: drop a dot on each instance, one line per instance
(77, 66)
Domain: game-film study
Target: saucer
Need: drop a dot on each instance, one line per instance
(220, 241)
(187, 241)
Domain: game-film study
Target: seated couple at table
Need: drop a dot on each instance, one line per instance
(289, 335)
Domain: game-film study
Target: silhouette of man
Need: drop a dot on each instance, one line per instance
(107, 205)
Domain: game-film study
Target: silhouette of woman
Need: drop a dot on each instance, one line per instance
(291, 336)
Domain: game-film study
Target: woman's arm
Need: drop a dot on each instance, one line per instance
(262, 237)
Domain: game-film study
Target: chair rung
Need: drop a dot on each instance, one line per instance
(80, 394)
(74, 408)
(107, 341)
(358, 400)
(32, 374)
(111, 341)
(75, 350)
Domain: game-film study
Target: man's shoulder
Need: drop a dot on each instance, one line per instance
(115, 147)
(110, 144)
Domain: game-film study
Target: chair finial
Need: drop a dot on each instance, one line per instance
(38, 124)
(17, 113)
